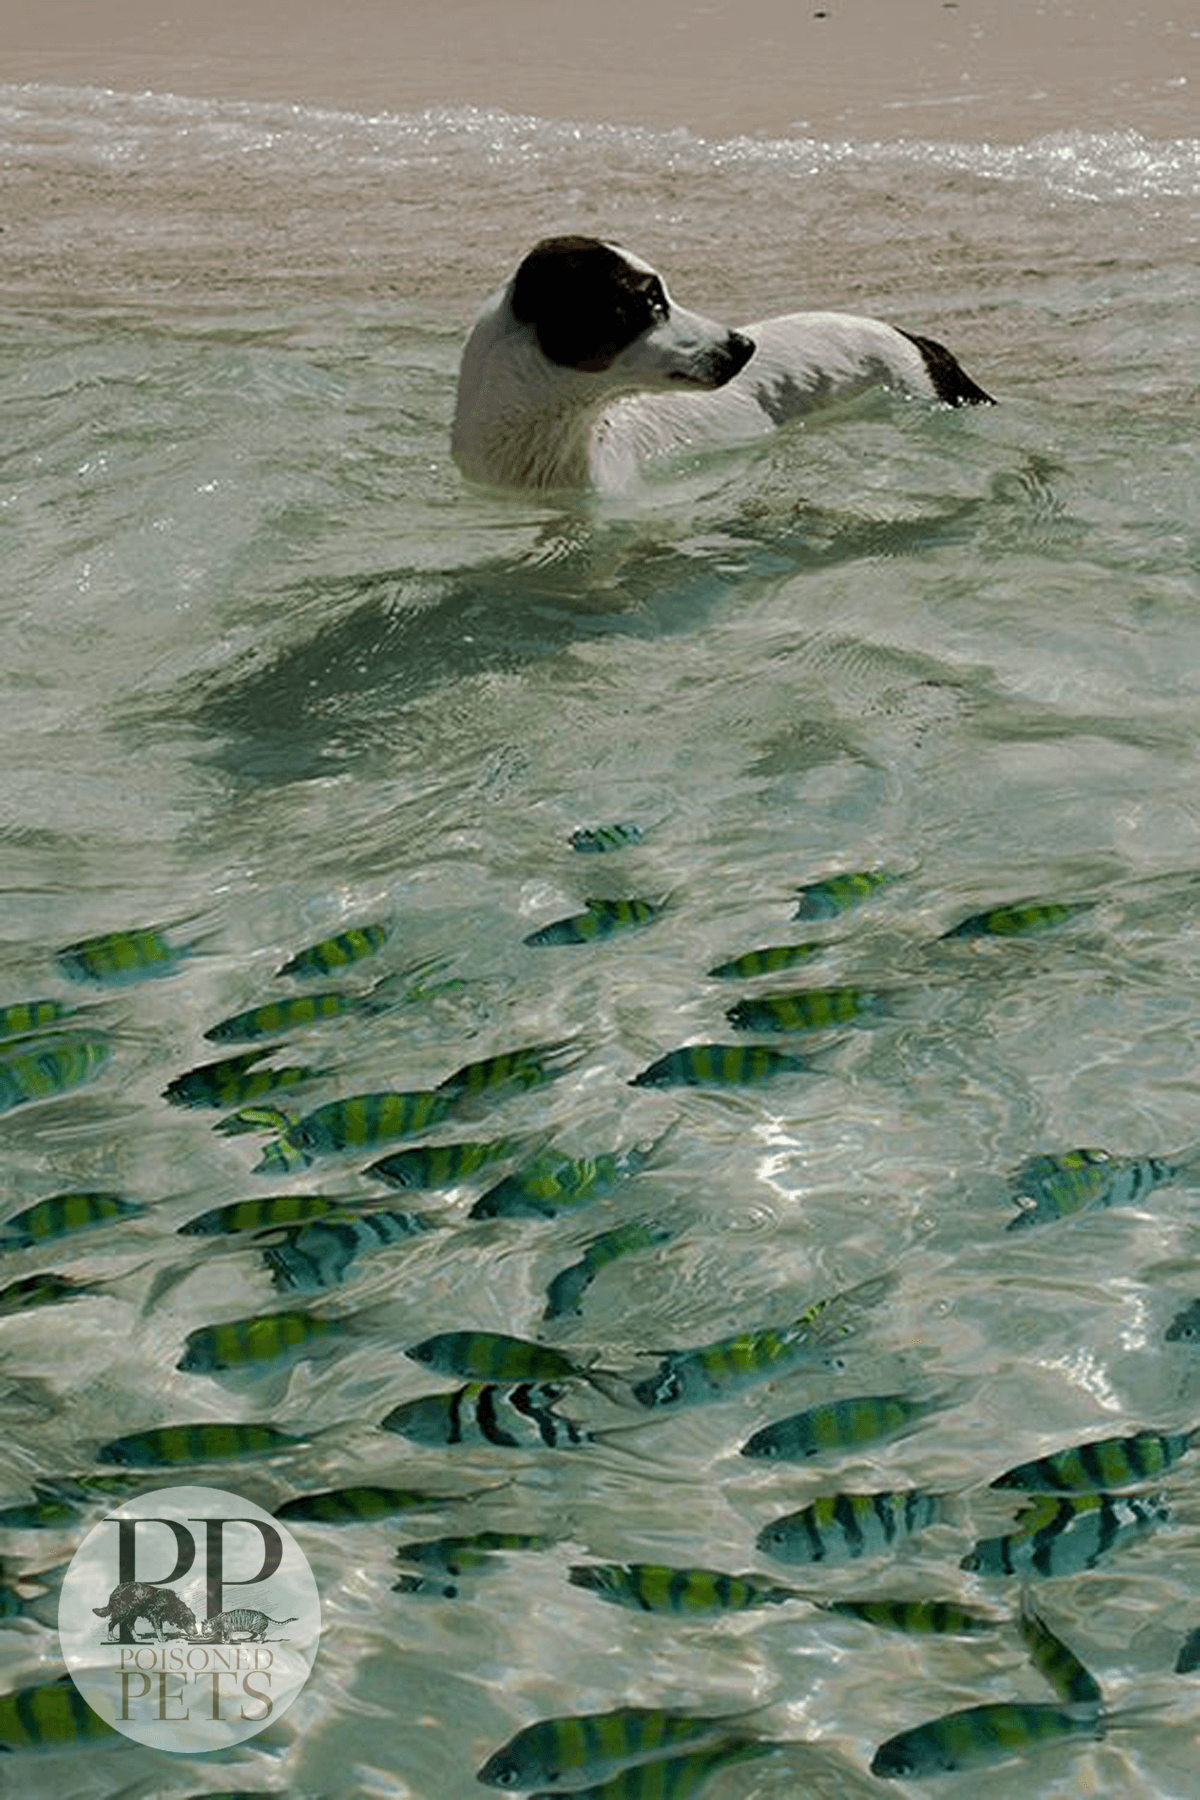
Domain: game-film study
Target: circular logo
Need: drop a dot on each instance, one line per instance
(189, 1619)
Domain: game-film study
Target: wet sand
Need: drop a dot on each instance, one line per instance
(999, 69)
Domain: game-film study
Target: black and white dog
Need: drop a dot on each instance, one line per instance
(582, 366)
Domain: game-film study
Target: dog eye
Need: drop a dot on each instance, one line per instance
(656, 300)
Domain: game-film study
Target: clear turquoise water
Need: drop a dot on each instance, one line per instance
(269, 668)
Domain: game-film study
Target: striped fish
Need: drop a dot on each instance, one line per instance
(1056, 1661)
(920, 1617)
(836, 894)
(696, 1593)
(358, 1505)
(1103, 1464)
(838, 1425)
(45, 1068)
(1054, 1187)
(443, 1165)
(21, 1018)
(843, 1527)
(338, 952)
(233, 1081)
(1063, 1535)
(266, 1213)
(512, 1418)
(60, 1215)
(360, 1122)
(771, 959)
(806, 1009)
(116, 957)
(590, 1746)
(600, 839)
(672, 1777)
(977, 1736)
(493, 1356)
(320, 1255)
(601, 919)
(45, 1289)
(52, 1715)
(1185, 1326)
(48, 1512)
(718, 1065)
(261, 1341)
(462, 1555)
(263, 1117)
(1188, 1660)
(1021, 918)
(291, 1012)
(551, 1183)
(564, 1295)
(530, 1066)
(207, 1440)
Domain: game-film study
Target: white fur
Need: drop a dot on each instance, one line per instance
(523, 421)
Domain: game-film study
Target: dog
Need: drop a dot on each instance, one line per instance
(132, 1600)
(581, 367)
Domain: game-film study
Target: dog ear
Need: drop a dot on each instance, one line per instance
(586, 303)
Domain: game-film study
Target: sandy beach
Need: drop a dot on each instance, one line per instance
(922, 68)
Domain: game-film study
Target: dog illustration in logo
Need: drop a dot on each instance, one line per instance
(132, 1600)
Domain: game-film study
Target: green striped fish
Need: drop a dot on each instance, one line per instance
(838, 1425)
(672, 1777)
(843, 1527)
(836, 894)
(52, 1715)
(1188, 1660)
(589, 1746)
(718, 1065)
(338, 952)
(484, 1412)
(1104, 1463)
(49, 1512)
(806, 1009)
(1021, 918)
(320, 1255)
(601, 919)
(261, 1341)
(443, 1165)
(44, 1289)
(59, 1215)
(977, 1736)
(234, 1081)
(1065, 1534)
(565, 1292)
(528, 1067)
(771, 959)
(493, 1356)
(142, 954)
(255, 1118)
(360, 1122)
(291, 1012)
(696, 1593)
(461, 1555)
(599, 839)
(44, 1068)
(920, 1617)
(358, 1505)
(20, 1018)
(551, 1183)
(267, 1213)
(1057, 1661)
(1185, 1326)
(1052, 1187)
(208, 1440)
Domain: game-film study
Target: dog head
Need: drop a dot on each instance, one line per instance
(597, 309)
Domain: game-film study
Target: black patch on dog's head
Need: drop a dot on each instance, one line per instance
(951, 382)
(586, 303)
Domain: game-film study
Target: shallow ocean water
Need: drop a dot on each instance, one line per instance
(270, 669)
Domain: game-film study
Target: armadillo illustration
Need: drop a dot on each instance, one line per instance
(221, 1627)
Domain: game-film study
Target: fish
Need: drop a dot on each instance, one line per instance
(462, 1555)
(1056, 1661)
(564, 1294)
(1050, 1187)
(442, 1165)
(261, 1341)
(232, 1081)
(1020, 918)
(805, 1009)
(838, 1425)
(290, 1012)
(23, 1018)
(602, 919)
(771, 959)
(551, 1183)
(207, 1440)
(520, 1417)
(976, 1736)
(1185, 1326)
(1188, 1660)
(255, 1118)
(362, 1121)
(320, 1255)
(843, 1527)
(52, 1715)
(697, 1593)
(718, 1065)
(60, 1215)
(672, 1777)
(44, 1289)
(493, 1356)
(528, 1067)
(716, 1371)
(920, 1617)
(1100, 1465)
(591, 1746)
(599, 839)
(1061, 1535)
(45, 1068)
(337, 952)
(49, 1512)
(357, 1505)
(265, 1213)
(141, 954)
(836, 894)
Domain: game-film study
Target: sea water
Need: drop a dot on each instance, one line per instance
(269, 668)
